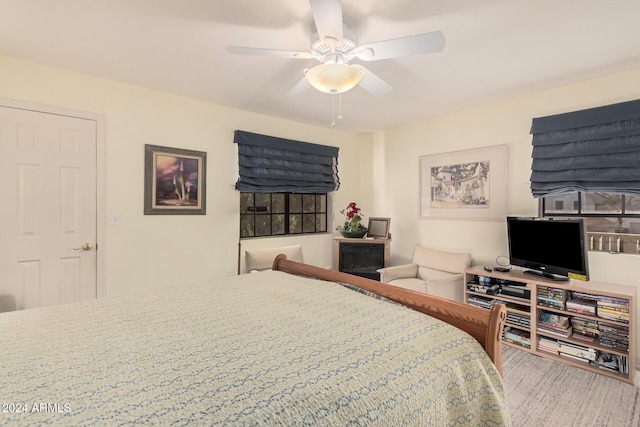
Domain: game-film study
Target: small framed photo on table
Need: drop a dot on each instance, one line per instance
(378, 228)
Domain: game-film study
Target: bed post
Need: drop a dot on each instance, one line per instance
(493, 346)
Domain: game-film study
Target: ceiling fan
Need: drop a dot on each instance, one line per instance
(334, 45)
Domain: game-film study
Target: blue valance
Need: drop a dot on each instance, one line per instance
(597, 149)
(268, 164)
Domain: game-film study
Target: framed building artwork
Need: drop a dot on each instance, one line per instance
(469, 184)
(174, 181)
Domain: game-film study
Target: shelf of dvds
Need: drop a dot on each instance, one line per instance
(591, 325)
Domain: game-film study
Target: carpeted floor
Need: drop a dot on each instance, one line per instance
(541, 392)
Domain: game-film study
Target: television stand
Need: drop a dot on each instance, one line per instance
(548, 276)
(602, 337)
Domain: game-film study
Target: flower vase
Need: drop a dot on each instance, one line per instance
(357, 234)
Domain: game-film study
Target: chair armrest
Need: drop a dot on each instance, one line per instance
(447, 287)
(388, 274)
(445, 281)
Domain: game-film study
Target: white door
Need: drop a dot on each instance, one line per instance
(48, 213)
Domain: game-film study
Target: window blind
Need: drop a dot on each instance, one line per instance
(597, 149)
(268, 164)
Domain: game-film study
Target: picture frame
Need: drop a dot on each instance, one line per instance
(467, 184)
(378, 228)
(174, 181)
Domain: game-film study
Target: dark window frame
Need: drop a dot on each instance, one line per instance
(601, 239)
(287, 214)
(579, 213)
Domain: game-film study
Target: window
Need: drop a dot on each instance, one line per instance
(612, 219)
(286, 213)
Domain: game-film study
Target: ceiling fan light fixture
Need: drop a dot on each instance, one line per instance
(334, 76)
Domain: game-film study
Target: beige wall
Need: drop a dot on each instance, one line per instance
(378, 171)
(509, 123)
(151, 251)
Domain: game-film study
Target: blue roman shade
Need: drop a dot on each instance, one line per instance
(269, 164)
(589, 150)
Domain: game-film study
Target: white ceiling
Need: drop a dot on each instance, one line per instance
(495, 49)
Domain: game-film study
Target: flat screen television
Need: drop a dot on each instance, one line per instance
(553, 248)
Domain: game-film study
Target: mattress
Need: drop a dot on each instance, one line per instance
(258, 349)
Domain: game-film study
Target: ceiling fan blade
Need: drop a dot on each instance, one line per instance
(327, 15)
(372, 83)
(258, 51)
(299, 88)
(404, 46)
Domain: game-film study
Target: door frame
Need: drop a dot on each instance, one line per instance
(101, 193)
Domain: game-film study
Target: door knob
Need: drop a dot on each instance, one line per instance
(84, 247)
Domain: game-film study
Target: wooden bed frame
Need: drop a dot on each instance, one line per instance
(483, 325)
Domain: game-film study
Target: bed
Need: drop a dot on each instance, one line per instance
(298, 345)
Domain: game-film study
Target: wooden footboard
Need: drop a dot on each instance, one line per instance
(484, 325)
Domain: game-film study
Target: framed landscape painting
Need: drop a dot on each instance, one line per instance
(174, 181)
(469, 184)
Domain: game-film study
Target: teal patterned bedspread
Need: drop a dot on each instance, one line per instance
(253, 350)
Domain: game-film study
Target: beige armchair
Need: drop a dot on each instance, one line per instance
(433, 272)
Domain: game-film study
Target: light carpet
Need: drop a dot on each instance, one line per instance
(542, 392)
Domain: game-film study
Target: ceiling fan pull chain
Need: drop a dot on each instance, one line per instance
(339, 106)
(333, 110)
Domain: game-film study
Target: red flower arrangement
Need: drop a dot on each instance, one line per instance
(352, 223)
